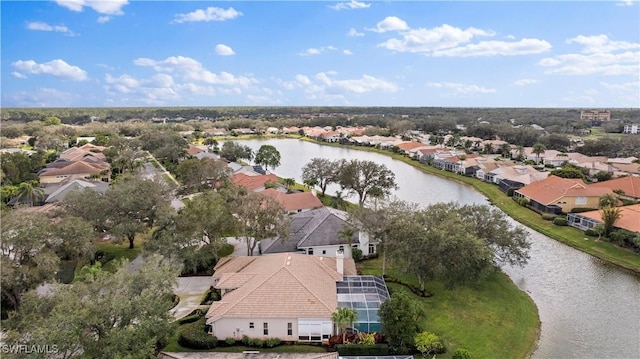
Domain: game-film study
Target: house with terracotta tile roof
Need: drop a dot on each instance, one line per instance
(629, 219)
(76, 170)
(287, 296)
(253, 183)
(194, 150)
(557, 195)
(626, 187)
(512, 176)
(318, 232)
(294, 202)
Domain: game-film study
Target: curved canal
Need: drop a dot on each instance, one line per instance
(587, 307)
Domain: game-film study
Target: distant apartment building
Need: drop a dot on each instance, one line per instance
(632, 129)
(596, 115)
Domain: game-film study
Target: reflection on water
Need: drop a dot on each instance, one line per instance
(588, 309)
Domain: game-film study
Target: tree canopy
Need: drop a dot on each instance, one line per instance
(320, 172)
(268, 156)
(365, 178)
(108, 315)
(232, 152)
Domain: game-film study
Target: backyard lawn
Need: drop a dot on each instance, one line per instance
(494, 320)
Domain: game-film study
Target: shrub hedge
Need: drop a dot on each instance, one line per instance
(461, 354)
(194, 336)
(362, 350)
(560, 221)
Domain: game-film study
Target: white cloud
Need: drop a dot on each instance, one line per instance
(390, 23)
(624, 86)
(302, 79)
(493, 48)
(103, 19)
(156, 90)
(110, 7)
(626, 2)
(525, 82)
(39, 97)
(58, 68)
(447, 40)
(461, 89)
(510, 37)
(599, 55)
(591, 91)
(208, 14)
(316, 50)
(192, 70)
(224, 50)
(625, 63)
(601, 43)
(42, 26)
(437, 38)
(347, 52)
(18, 75)
(325, 86)
(354, 33)
(351, 5)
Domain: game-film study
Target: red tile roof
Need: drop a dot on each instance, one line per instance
(252, 182)
(551, 188)
(630, 219)
(294, 201)
(193, 150)
(75, 168)
(406, 146)
(629, 185)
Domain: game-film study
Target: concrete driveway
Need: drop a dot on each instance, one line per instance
(190, 291)
(240, 247)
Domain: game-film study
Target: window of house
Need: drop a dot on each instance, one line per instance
(265, 328)
(324, 251)
(251, 326)
(372, 248)
(581, 200)
(310, 251)
(289, 329)
(341, 248)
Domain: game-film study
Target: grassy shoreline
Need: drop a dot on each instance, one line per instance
(493, 319)
(570, 236)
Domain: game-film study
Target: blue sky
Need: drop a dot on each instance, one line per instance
(83, 53)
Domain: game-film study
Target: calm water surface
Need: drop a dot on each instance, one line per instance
(588, 309)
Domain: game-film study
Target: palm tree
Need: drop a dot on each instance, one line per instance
(347, 233)
(537, 150)
(30, 193)
(610, 215)
(338, 201)
(344, 318)
(608, 200)
(488, 148)
(506, 150)
(289, 182)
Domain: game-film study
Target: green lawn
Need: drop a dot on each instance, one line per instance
(494, 320)
(120, 251)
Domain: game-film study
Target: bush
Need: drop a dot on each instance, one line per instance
(521, 201)
(194, 336)
(193, 317)
(415, 289)
(582, 209)
(245, 340)
(428, 343)
(272, 342)
(461, 354)
(230, 341)
(621, 237)
(548, 216)
(362, 350)
(591, 232)
(210, 296)
(372, 256)
(356, 253)
(256, 342)
(560, 221)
